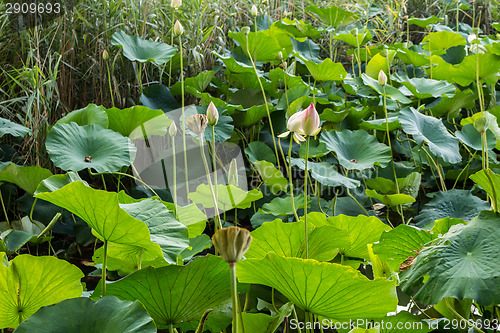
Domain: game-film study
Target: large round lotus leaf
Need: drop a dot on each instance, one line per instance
(431, 131)
(426, 88)
(472, 138)
(442, 40)
(462, 264)
(362, 230)
(141, 50)
(55, 182)
(490, 182)
(228, 197)
(29, 283)
(288, 240)
(9, 127)
(158, 97)
(138, 121)
(466, 72)
(330, 290)
(453, 203)
(259, 151)
(357, 150)
(91, 114)
(327, 70)
(101, 211)
(26, 178)
(176, 294)
(262, 45)
(73, 147)
(271, 176)
(396, 245)
(333, 16)
(325, 173)
(82, 315)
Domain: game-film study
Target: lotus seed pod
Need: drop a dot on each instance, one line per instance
(232, 243)
(382, 78)
(212, 114)
(172, 130)
(178, 28)
(175, 4)
(254, 10)
(481, 124)
(197, 123)
(245, 30)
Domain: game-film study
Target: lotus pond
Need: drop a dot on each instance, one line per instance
(310, 167)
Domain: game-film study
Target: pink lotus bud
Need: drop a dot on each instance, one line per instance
(178, 28)
(176, 4)
(310, 121)
(212, 114)
(254, 10)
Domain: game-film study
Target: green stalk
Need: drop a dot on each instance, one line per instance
(305, 198)
(110, 87)
(234, 298)
(214, 163)
(104, 263)
(291, 180)
(171, 43)
(183, 121)
(49, 226)
(266, 103)
(175, 174)
(218, 223)
(5, 210)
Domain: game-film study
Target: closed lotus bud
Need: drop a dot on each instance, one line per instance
(472, 39)
(232, 243)
(175, 4)
(254, 10)
(482, 124)
(382, 78)
(105, 55)
(178, 28)
(197, 123)
(172, 130)
(212, 114)
(279, 56)
(294, 123)
(245, 30)
(232, 176)
(310, 121)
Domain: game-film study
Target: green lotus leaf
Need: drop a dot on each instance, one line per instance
(326, 174)
(228, 197)
(73, 147)
(165, 230)
(234, 66)
(356, 150)
(222, 130)
(262, 46)
(442, 40)
(424, 22)
(380, 124)
(26, 178)
(423, 88)
(158, 97)
(333, 16)
(442, 226)
(196, 245)
(396, 245)
(298, 29)
(141, 50)
(138, 121)
(355, 40)
(461, 264)
(193, 85)
(283, 206)
(57, 182)
(325, 289)
(472, 138)
(271, 176)
(259, 151)
(175, 294)
(101, 210)
(82, 315)
(9, 127)
(193, 218)
(89, 115)
(390, 200)
(362, 230)
(387, 90)
(453, 203)
(409, 322)
(327, 70)
(452, 106)
(29, 283)
(427, 129)
(410, 57)
(252, 115)
(489, 69)
(493, 124)
(379, 63)
(316, 149)
(288, 240)
(490, 182)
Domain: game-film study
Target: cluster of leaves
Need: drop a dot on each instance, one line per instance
(386, 213)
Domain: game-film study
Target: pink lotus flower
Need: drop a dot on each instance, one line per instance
(310, 121)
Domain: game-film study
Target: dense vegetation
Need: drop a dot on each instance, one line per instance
(283, 166)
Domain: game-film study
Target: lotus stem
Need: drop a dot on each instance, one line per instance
(234, 297)
(110, 87)
(218, 223)
(214, 164)
(305, 198)
(5, 210)
(104, 263)
(291, 180)
(174, 159)
(49, 226)
(183, 120)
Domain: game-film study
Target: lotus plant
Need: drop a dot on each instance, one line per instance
(213, 119)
